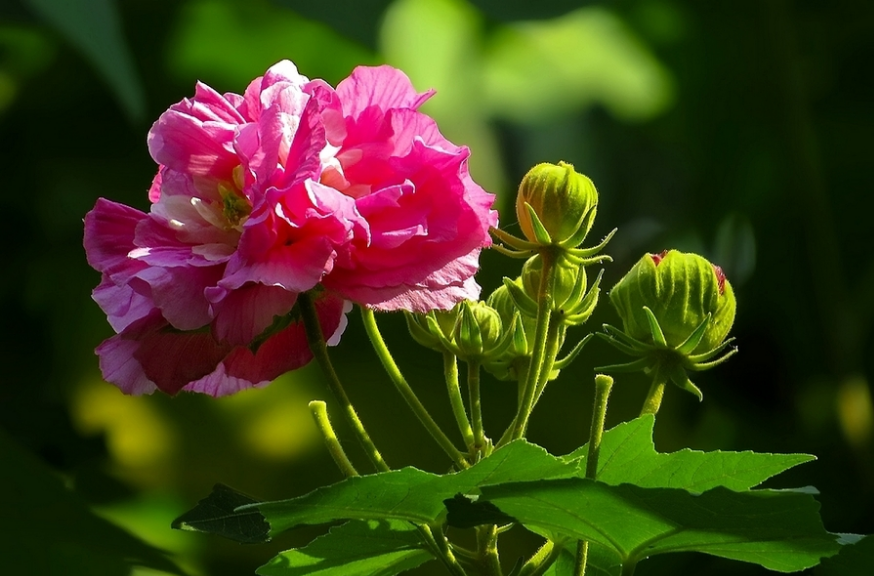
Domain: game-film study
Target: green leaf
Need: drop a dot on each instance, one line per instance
(216, 514)
(854, 559)
(411, 494)
(629, 456)
(601, 562)
(48, 529)
(780, 530)
(373, 548)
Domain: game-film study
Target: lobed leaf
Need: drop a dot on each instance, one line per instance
(629, 456)
(216, 514)
(410, 494)
(372, 548)
(780, 530)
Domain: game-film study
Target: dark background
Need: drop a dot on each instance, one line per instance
(739, 130)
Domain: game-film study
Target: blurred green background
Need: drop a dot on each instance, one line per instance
(739, 130)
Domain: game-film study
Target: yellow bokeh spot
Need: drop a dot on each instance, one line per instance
(855, 411)
(137, 436)
(274, 422)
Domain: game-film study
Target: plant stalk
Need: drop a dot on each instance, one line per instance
(319, 347)
(405, 390)
(319, 411)
(450, 373)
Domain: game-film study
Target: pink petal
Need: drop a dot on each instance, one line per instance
(243, 314)
(381, 86)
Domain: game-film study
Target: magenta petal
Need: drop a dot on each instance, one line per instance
(243, 314)
(284, 351)
(109, 234)
(118, 366)
(381, 86)
(122, 304)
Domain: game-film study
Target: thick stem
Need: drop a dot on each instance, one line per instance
(544, 312)
(582, 558)
(319, 411)
(404, 388)
(603, 385)
(440, 547)
(450, 372)
(542, 559)
(653, 400)
(476, 409)
(319, 347)
(553, 347)
(487, 548)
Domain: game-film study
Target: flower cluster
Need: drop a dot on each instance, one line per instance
(293, 186)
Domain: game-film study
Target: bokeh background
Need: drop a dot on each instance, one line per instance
(739, 130)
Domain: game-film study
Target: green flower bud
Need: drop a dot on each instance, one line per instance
(683, 291)
(570, 280)
(512, 363)
(478, 331)
(432, 330)
(562, 199)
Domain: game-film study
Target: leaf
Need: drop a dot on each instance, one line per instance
(856, 559)
(372, 548)
(463, 512)
(780, 530)
(216, 514)
(629, 456)
(601, 562)
(48, 529)
(96, 32)
(411, 494)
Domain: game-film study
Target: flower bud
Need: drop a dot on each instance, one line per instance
(682, 291)
(433, 333)
(478, 330)
(562, 199)
(570, 280)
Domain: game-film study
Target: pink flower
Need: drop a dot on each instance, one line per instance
(290, 187)
(427, 220)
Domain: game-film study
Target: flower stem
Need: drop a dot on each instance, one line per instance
(450, 372)
(404, 389)
(319, 411)
(319, 347)
(440, 547)
(544, 311)
(487, 547)
(656, 392)
(542, 560)
(603, 385)
(553, 347)
(476, 409)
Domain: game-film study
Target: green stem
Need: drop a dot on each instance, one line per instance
(440, 547)
(476, 409)
(487, 547)
(603, 385)
(656, 392)
(553, 347)
(628, 568)
(319, 347)
(319, 411)
(582, 558)
(404, 389)
(450, 372)
(542, 559)
(544, 312)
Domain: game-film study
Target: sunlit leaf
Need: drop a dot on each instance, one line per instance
(629, 456)
(411, 494)
(373, 548)
(780, 530)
